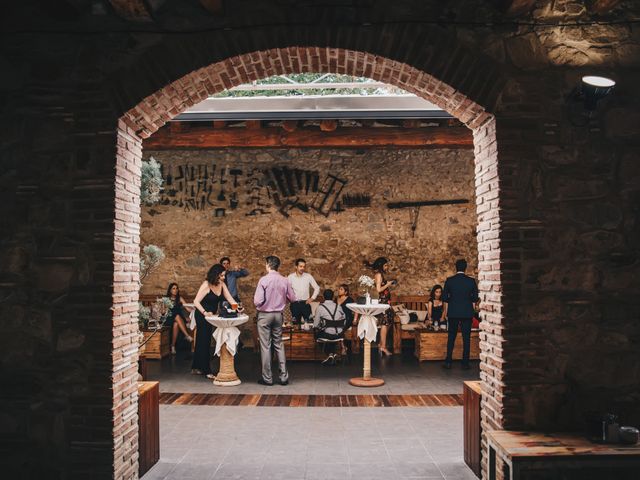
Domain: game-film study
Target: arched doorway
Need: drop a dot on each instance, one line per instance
(155, 110)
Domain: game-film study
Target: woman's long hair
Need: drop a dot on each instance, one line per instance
(377, 265)
(213, 275)
(432, 296)
(177, 294)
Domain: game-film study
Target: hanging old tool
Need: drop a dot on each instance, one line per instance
(330, 192)
(427, 203)
(413, 216)
(235, 172)
(221, 195)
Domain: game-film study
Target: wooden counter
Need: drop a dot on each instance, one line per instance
(432, 345)
(159, 346)
(559, 455)
(471, 396)
(300, 344)
(148, 425)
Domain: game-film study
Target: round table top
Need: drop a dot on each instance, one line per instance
(368, 308)
(222, 322)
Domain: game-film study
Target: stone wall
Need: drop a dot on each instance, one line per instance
(334, 246)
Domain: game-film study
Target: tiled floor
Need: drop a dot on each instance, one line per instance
(208, 442)
(402, 374)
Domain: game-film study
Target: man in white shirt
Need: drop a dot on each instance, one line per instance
(302, 282)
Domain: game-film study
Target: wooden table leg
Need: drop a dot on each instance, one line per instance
(366, 380)
(227, 376)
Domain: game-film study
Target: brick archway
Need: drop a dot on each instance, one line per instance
(155, 110)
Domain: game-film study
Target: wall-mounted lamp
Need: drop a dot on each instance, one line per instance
(583, 100)
(594, 88)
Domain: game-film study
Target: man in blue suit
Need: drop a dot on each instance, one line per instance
(461, 300)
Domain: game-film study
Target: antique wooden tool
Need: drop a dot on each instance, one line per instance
(427, 203)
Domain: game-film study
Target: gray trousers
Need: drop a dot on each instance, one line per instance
(270, 332)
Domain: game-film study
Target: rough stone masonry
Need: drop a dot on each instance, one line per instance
(334, 246)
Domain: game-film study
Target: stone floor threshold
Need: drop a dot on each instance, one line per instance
(266, 400)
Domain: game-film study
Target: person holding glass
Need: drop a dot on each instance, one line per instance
(381, 267)
(211, 293)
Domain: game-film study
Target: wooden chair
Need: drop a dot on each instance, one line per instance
(411, 302)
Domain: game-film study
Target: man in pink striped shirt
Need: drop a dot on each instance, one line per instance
(272, 293)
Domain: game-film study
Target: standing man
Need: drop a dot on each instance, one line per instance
(231, 279)
(460, 299)
(301, 283)
(271, 297)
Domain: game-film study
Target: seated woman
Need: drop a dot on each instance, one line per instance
(342, 299)
(329, 321)
(435, 307)
(176, 318)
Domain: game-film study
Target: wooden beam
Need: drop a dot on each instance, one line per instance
(219, 124)
(132, 10)
(516, 8)
(328, 125)
(274, 137)
(253, 124)
(602, 6)
(290, 125)
(178, 127)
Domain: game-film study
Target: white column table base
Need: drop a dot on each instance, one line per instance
(367, 329)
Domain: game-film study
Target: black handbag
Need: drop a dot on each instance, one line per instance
(225, 311)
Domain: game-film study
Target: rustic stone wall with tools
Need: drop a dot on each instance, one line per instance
(335, 208)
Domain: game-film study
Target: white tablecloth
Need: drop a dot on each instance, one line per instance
(226, 332)
(367, 323)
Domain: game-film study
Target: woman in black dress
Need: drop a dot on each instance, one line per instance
(381, 266)
(435, 306)
(177, 315)
(211, 293)
(342, 299)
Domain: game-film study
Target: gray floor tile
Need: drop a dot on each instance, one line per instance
(418, 470)
(273, 471)
(313, 443)
(402, 374)
(238, 472)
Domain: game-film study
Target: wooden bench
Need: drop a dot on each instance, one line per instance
(411, 302)
(526, 455)
(471, 396)
(158, 343)
(432, 345)
(148, 425)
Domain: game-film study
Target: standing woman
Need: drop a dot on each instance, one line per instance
(211, 293)
(176, 317)
(381, 266)
(435, 306)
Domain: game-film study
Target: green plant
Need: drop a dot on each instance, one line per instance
(150, 182)
(144, 313)
(150, 257)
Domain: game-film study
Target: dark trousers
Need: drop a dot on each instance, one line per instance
(202, 351)
(329, 347)
(300, 310)
(465, 324)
